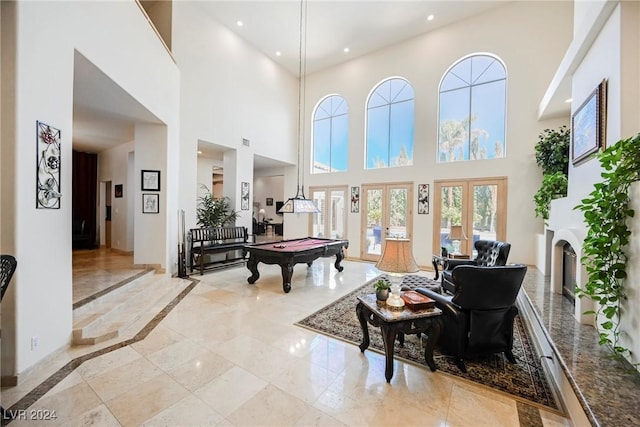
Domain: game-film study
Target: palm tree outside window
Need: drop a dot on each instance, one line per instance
(472, 110)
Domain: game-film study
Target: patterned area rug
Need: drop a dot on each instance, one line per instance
(525, 380)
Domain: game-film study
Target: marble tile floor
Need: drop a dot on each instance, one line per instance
(228, 354)
(94, 270)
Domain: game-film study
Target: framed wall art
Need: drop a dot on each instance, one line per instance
(150, 203)
(244, 197)
(269, 201)
(150, 180)
(588, 125)
(355, 199)
(47, 166)
(423, 199)
(118, 191)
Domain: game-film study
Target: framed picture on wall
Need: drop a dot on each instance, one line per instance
(355, 199)
(588, 125)
(150, 180)
(150, 203)
(48, 166)
(118, 190)
(423, 199)
(269, 201)
(244, 196)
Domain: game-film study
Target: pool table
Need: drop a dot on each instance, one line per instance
(288, 253)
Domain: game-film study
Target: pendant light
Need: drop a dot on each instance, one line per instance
(299, 203)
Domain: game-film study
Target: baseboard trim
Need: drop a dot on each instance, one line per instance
(121, 252)
(9, 381)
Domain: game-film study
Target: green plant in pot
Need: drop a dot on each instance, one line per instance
(552, 150)
(382, 289)
(214, 212)
(552, 155)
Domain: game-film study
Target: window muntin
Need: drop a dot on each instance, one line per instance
(472, 110)
(390, 124)
(330, 131)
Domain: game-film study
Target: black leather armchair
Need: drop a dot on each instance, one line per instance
(479, 318)
(8, 266)
(490, 253)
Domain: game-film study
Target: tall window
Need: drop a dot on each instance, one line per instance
(472, 110)
(330, 123)
(390, 124)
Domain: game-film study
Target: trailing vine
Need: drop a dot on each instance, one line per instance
(606, 212)
(552, 155)
(553, 186)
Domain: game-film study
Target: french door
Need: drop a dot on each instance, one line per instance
(478, 205)
(386, 212)
(331, 222)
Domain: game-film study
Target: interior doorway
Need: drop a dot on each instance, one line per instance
(107, 215)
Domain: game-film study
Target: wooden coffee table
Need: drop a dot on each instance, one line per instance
(394, 323)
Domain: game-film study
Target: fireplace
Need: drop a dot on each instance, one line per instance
(569, 265)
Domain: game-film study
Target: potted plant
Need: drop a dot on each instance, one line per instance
(382, 289)
(214, 212)
(552, 155)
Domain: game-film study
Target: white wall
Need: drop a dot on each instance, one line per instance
(116, 38)
(113, 165)
(613, 56)
(229, 91)
(269, 186)
(205, 174)
(538, 34)
(152, 230)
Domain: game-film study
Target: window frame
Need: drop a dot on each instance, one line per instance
(470, 87)
(313, 138)
(389, 130)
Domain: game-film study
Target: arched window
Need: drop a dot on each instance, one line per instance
(472, 110)
(390, 124)
(330, 125)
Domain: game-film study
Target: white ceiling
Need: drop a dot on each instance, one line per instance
(362, 26)
(104, 114)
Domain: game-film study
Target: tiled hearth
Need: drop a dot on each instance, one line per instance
(607, 390)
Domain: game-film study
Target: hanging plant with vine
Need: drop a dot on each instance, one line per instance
(606, 212)
(553, 186)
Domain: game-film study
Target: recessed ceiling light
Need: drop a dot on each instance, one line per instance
(278, 53)
(199, 152)
(430, 17)
(346, 50)
(568, 101)
(239, 23)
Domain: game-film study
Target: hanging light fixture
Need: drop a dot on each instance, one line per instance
(299, 203)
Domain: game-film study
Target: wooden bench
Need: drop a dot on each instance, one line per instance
(216, 240)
